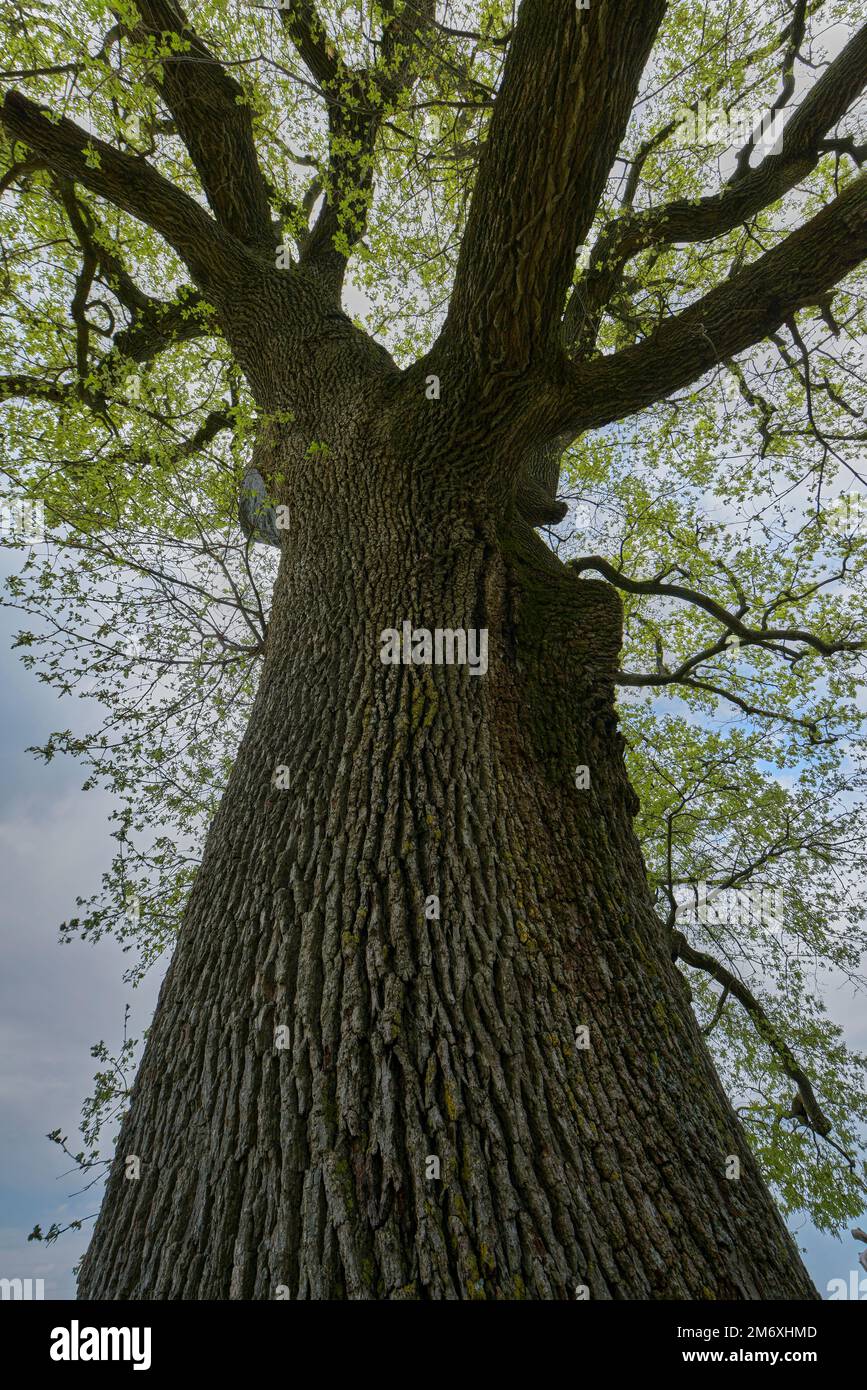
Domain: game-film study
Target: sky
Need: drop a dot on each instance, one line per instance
(57, 1000)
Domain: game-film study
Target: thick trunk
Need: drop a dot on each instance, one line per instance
(303, 1163)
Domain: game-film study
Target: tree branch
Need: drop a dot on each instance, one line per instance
(37, 388)
(155, 323)
(728, 320)
(568, 87)
(214, 123)
(358, 101)
(632, 678)
(701, 961)
(718, 1011)
(795, 32)
(162, 323)
(732, 621)
(213, 256)
(685, 221)
(303, 24)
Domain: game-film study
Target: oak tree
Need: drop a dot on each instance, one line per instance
(544, 321)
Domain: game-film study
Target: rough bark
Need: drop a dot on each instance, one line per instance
(302, 1171)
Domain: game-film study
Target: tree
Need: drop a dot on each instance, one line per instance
(427, 1030)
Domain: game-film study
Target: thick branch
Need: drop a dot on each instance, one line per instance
(37, 388)
(130, 183)
(358, 101)
(161, 324)
(795, 32)
(302, 22)
(686, 221)
(155, 323)
(568, 87)
(214, 123)
(728, 320)
(111, 268)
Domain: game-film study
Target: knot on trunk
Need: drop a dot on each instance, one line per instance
(566, 637)
(536, 506)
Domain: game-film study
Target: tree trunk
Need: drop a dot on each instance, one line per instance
(428, 1124)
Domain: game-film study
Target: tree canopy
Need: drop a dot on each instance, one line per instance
(704, 290)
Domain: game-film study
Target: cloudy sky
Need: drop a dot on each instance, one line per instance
(57, 1000)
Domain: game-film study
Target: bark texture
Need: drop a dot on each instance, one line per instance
(304, 1171)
